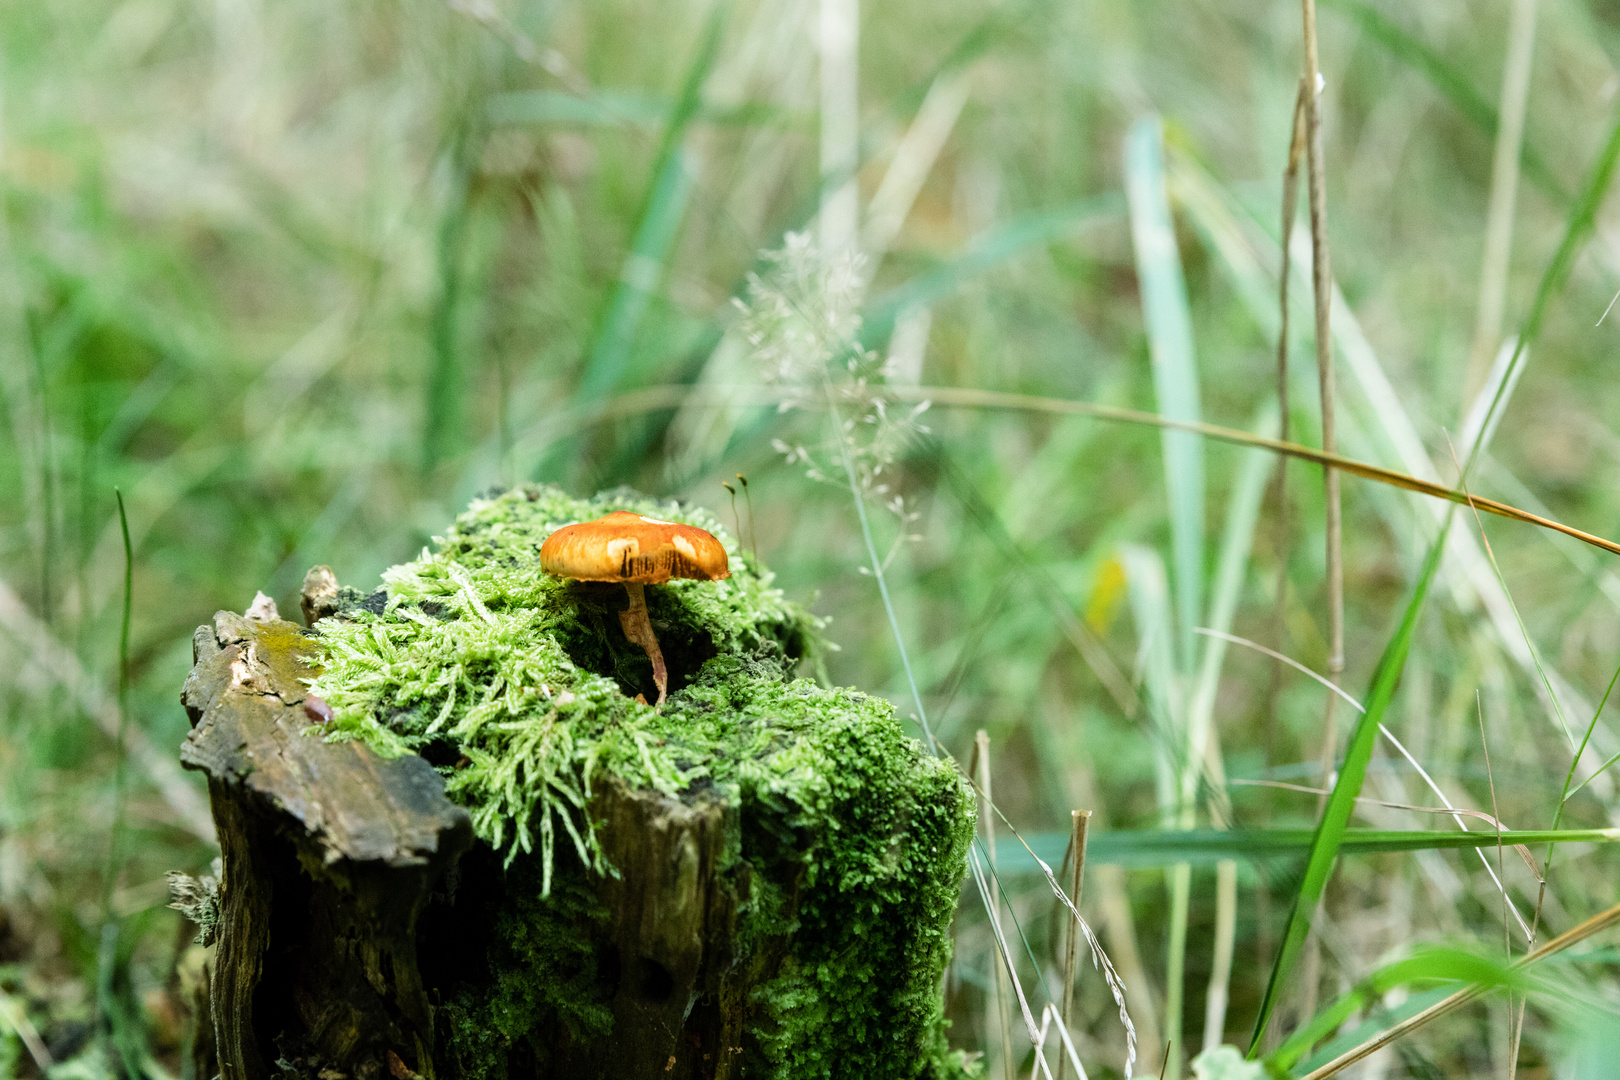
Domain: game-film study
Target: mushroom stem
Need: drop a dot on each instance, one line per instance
(638, 628)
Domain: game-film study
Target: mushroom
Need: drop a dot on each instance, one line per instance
(635, 551)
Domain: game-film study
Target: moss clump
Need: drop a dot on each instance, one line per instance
(520, 688)
(471, 651)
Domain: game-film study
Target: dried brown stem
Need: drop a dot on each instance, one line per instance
(1290, 208)
(1322, 292)
(652, 398)
(1077, 847)
(1279, 498)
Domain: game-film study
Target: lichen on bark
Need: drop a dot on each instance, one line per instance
(841, 842)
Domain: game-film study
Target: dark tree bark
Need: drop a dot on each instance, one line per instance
(681, 997)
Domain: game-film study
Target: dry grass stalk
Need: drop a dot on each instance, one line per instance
(1077, 860)
(654, 398)
(1220, 976)
(1322, 292)
(1597, 923)
(980, 766)
(1279, 497)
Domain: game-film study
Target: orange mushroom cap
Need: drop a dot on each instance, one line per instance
(628, 547)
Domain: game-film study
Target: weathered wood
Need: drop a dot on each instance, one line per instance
(671, 929)
(329, 854)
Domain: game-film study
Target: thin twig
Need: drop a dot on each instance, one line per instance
(1322, 293)
(1049, 1014)
(974, 397)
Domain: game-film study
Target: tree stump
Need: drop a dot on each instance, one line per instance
(329, 854)
(717, 931)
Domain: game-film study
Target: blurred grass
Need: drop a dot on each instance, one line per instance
(300, 278)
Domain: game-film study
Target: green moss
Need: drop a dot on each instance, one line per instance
(471, 651)
(877, 836)
(520, 688)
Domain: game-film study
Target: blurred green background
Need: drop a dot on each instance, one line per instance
(301, 278)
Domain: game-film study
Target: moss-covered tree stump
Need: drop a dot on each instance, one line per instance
(456, 845)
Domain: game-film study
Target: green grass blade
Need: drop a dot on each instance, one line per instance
(1330, 831)
(1142, 849)
(1452, 84)
(121, 761)
(608, 360)
(1428, 965)
(1237, 541)
(1168, 320)
(1377, 1019)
